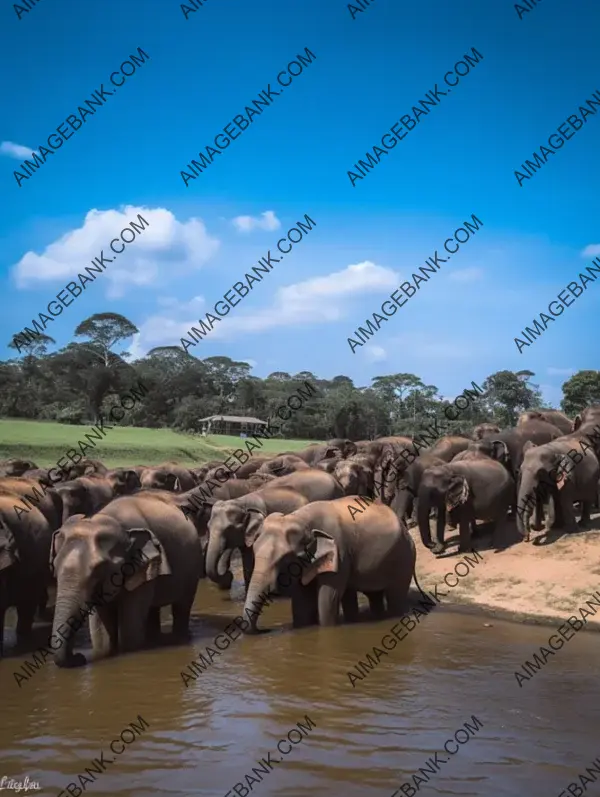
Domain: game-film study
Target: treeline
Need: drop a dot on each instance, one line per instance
(80, 381)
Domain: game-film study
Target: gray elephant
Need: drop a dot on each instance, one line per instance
(137, 554)
(478, 489)
(561, 472)
(556, 418)
(590, 415)
(283, 465)
(484, 430)
(448, 446)
(333, 555)
(328, 464)
(237, 523)
(507, 447)
(167, 477)
(394, 458)
(33, 493)
(318, 451)
(24, 575)
(87, 495)
(87, 467)
(356, 474)
(407, 487)
(315, 484)
(250, 467)
(16, 467)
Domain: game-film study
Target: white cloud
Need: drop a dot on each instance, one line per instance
(318, 300)
(592, 249)
(560, 371)
(466, 274)
(165, 248)
(375, 353)
(16, 150)
(266, 221)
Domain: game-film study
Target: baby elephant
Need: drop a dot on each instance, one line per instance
(479, 489)
(332, 554)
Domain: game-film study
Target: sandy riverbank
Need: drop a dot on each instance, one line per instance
(544, 581)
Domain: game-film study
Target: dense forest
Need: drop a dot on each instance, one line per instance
(80, 381)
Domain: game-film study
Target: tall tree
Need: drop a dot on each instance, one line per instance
(581, 390)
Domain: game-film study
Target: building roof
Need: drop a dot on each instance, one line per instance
(234, 419)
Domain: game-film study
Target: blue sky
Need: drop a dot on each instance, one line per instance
(293, 160)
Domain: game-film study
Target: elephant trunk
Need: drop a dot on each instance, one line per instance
(217, 561)
(68, 604)
(261, 584)
(423, 510)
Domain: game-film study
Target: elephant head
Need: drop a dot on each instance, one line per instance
(159, 479)
(345, 447)
(443, 489)
(287, 557)
(355, 476)
(495, 449)
(123, 481)
(16, 467)
(75, 497)
(543, 471)
(485, 430)
(232, 525)
(94, 559)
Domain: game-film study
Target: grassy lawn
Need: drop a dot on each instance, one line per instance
(45, 442)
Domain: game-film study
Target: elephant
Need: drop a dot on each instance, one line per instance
(87, 467)
(199, 473)
(448, 446)
(86, 495)
(356, 475)
(589, 415)
(394, 457)
(250, 467)
(376, 447)
(24, 575)
(33, 493)
(237, 523)
(407, 487)
(507, 447)
(89, 557)
(283, 465)
(549, 473)
(558, 419)
(373, 554)
(167, 477)
(484, 430)
(315, 484)
(479, 489)
(124, 481)
(318, 451)
(16, 467)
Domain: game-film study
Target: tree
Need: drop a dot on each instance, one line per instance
(35, 347)
(580, 390)
(508, 394)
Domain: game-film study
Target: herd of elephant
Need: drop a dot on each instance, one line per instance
(348, 505)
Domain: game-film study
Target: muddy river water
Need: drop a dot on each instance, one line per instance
(363, 738)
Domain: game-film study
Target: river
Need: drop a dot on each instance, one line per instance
(359, 739)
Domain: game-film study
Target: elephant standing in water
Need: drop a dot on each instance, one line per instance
(237, 523)
(137, 554)
(333, 555)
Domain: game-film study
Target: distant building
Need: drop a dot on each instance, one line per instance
(232, 424)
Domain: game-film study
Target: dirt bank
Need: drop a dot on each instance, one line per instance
(544, 581)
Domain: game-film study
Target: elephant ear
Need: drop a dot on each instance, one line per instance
(458, 492)
(255, 519)
(132, 481)
(332, 451)
(8, 547)
(500, 451)
(154, 561)
(170, 481)
(325, 556)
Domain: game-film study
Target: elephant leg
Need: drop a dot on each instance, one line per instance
(329, 600)
(568, 512)
(586, 511)
(538, 514)
(464, 531)
(153, 627)
(350, 606)
(104, 630)
(247, 564)
(376, 604)
(25, 614)
(181, 619)
(134, 608)
(304, 606)
(42, 604)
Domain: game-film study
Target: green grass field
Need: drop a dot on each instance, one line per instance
(46, 442)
